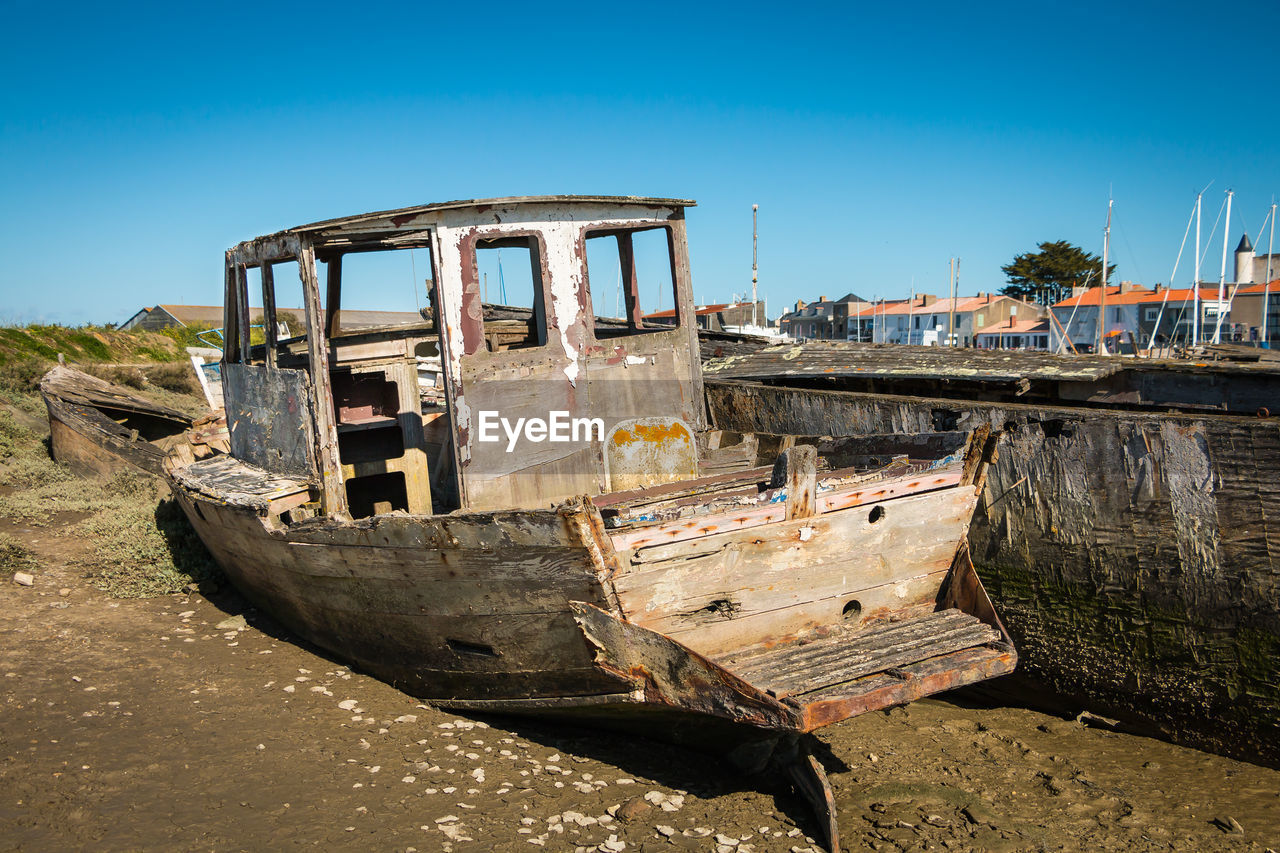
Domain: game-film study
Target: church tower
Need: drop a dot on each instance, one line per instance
(1244, 261)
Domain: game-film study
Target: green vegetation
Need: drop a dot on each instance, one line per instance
(1047, 276)
(14, 557)
(142, 544)
(40, 345)
(145, 547)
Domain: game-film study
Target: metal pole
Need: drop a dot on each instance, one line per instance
(1102, 301)
(951, 283)
(755, 209)
(1195, 282)
(1222, 275)
(1266, 290)
(951, 319)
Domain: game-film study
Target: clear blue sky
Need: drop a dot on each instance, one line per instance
(139, 141)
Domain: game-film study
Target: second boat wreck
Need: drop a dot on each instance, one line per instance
(555, 529)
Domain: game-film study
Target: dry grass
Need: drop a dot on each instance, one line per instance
(145, 547)
(14, 556)
(142, 544)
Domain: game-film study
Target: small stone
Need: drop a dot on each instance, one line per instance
(696, 832)
(186, 614)
(665, 831)
(632, 809)
(612, 844)
(23, 578)
(404, 718)
(235, 623)
(348, 704)
(65, 591)
(1229, 825)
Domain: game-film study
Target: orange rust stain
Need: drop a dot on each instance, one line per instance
(654, 434)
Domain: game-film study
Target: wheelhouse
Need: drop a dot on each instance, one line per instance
(464, 408)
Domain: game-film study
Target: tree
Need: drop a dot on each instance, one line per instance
(1047, 276)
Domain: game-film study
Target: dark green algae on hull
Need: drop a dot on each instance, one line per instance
(1132, 555)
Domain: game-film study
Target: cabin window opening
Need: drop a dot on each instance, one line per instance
(631, 278)
(377, 494)
(365, 398)
(378, 289)
(877, 513)
(509, 277)
(852, 609)
(290, 317)
(257, 317)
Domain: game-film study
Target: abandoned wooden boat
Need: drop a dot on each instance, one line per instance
(99, 429)
(608, 558)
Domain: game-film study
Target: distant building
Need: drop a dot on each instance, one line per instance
(202, 317)
(1252, 267)
(808, 320)
(1164, 316)
(927, 320)
(715, 318)
(1029, 334)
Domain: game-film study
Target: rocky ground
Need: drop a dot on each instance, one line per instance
(185, 722)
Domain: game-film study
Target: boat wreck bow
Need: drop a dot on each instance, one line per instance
(730, 591)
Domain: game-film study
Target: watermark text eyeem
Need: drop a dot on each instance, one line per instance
(557, 427)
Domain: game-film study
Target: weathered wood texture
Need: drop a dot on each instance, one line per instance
(98, 429)
(727, 591)
(269, 418)
(1009, 376)
(442, 607)
(1132, 555)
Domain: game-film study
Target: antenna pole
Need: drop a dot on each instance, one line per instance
(951, 318)
(1222, 275)
(755, 212)
(1102, 301)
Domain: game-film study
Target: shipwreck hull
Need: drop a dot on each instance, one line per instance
(1131, 554)
(100, 430)
(537, 612)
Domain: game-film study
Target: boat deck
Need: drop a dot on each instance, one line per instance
(855, 671)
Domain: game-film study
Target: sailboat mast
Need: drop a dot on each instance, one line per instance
(951, 321)
(1266, 290)
(1102, 301)
(755, 210)
(1222, 274)
(1195, 282)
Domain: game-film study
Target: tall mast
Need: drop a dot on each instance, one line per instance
(1266, 290)
(951, 320)
(1222, 275)
(1195, 282)
(755, 209)
(1102, 302)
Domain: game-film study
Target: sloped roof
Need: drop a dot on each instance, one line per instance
(700, 311)
(1245, 245)
(1021, 327)
(210, 316)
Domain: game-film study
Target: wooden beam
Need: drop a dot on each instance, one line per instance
(269, 316)
(242, 313)
(333, 497)
(333, 296)
(797, 471)
(230, 338)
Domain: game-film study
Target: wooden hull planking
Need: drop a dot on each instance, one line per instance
(535, 612)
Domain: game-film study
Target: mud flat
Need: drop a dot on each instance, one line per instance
(184, 722)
